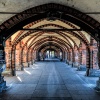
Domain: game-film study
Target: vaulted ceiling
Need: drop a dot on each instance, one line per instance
(36, 39)
(21, 5)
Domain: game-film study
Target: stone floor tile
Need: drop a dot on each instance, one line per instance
(50, 81)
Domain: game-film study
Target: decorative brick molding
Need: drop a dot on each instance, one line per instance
(84, 21)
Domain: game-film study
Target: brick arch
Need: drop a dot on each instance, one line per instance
(43, 51)
(72, 33)
(39, 34)
(37, 47)
(61, 12)
(56, 44)
(46, 39)
(62, 27)
(44, 33)
(55, 26)
(38, 42)
(47, 47)
(42, 39)
(66, 22)
(80, 19)
(46, 44)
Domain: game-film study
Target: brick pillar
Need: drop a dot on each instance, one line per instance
(98, 54)
(13, 61)
(18, 57)
(73, 58)
(88, 56)
(32, 57)
(80, 57)
(8, 54)
(24, 56)
(63, 56)
(80, 54)
(66, 57)
(93, 47)
(28, 56)
(91, 52)
(75, 61)
(21, 59)
(70, 56)
(97, 88)
(94, 50)
(91, 58)
(2, 65)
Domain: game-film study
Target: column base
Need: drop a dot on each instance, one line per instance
(13, 72)
(69, 63)
(87, 72)
(3, 86)
(28, 64)
(22, 67)
(61, 59)
(94, 73)
(31, 62)
(75, 64)
(81, 68)
(66, 61)
(97, 88)
(7, 73)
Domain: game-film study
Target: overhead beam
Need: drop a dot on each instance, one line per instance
(42, 12)
(51, 29)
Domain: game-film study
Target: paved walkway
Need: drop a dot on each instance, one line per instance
(50, 81)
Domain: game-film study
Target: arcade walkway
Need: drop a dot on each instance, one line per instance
(50, 80)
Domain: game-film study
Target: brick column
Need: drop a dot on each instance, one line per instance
(32, 57)
(70, 56)
(73, 57)
(21, 59)
(80, 57)
(98, 54)
(63, 56)
(28, 56)
(8, 54)
(88, 61)
(97, 88)
(2, 65)
(24, 56)
(93, 47)
(91, 58)
(18, 57)
(67, 57)
(21, 56)
(94, 50)
(75, 62)
(13, 61)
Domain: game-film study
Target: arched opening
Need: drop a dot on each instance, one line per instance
(51, 30)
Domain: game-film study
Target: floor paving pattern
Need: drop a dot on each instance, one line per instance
(49, 80)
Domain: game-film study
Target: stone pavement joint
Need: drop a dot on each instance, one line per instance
(50, 80)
